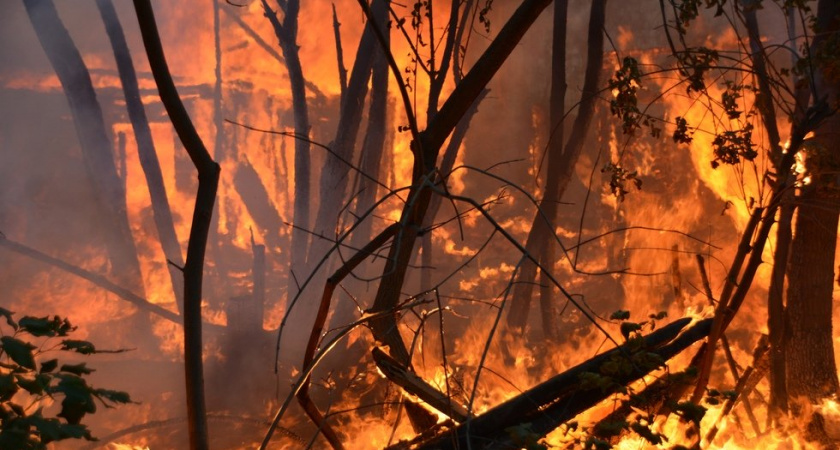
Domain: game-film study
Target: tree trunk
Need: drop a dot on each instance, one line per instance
(810, 350)
(205, 199)
(335, 174)
(811, 368)
(426, 150)
(145, 149)
(372, 148)
(562, 160)
(550, 310)
(776, 308)
(303, 195)
(96, 146)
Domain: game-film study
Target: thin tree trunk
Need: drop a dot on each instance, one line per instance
(373, 146)
(426, 151)
(208, 180)
(342, 71)
(335, 174)
(447, 161)
(550, 310)
(371, 161)
(286, 34)
(562, 161)
(96, 146)
(775, 296)
(776, 308)
(256, 199)
(145, 148)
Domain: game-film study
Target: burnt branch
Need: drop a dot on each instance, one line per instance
(145, 146)
(342, 71)
(406, 379)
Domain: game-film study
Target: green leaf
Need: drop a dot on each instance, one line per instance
(647, 433)
(19, 351)
(597, 444)
(591, 380)
(610, 428)
(46, 327)
(8, 387)
(691, 412)
(49, 366)
(659, 316)
(16, 435)
(627, 328)
(78, 398)
(620, 315)
(17, 409)
(8, 315)
(112, 396)
(35, 385)
(77, 369)
(53, 430)
(83, 347)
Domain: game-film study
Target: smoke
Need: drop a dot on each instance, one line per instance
(48, 202)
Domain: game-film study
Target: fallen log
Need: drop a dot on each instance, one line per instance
(749, 379)
(544, 407)
(650, 399)
(415, 385)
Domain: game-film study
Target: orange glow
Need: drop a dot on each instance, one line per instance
(636, 254)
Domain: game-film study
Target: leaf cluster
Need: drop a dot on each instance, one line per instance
(731, 147)
(619, 179)
(26, 379)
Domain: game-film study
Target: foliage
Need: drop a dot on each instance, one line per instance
(523, 436)
(624, 86)
(730, 147)
(619, 177)
(28, 382)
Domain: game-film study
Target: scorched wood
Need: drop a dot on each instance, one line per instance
(415, 385)
(562, 397)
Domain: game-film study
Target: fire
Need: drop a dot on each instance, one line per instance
(635, 254)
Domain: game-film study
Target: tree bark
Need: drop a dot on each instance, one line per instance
(557, 105)
(335, 174)
(96, 146)
(562, 161)
(145, 148)
(811, 367)
(776, 308)
(373, 146)
(286, 34)
(208, 180)
(426, 149)
(562, 397)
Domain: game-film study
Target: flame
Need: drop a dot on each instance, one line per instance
(709, 205)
